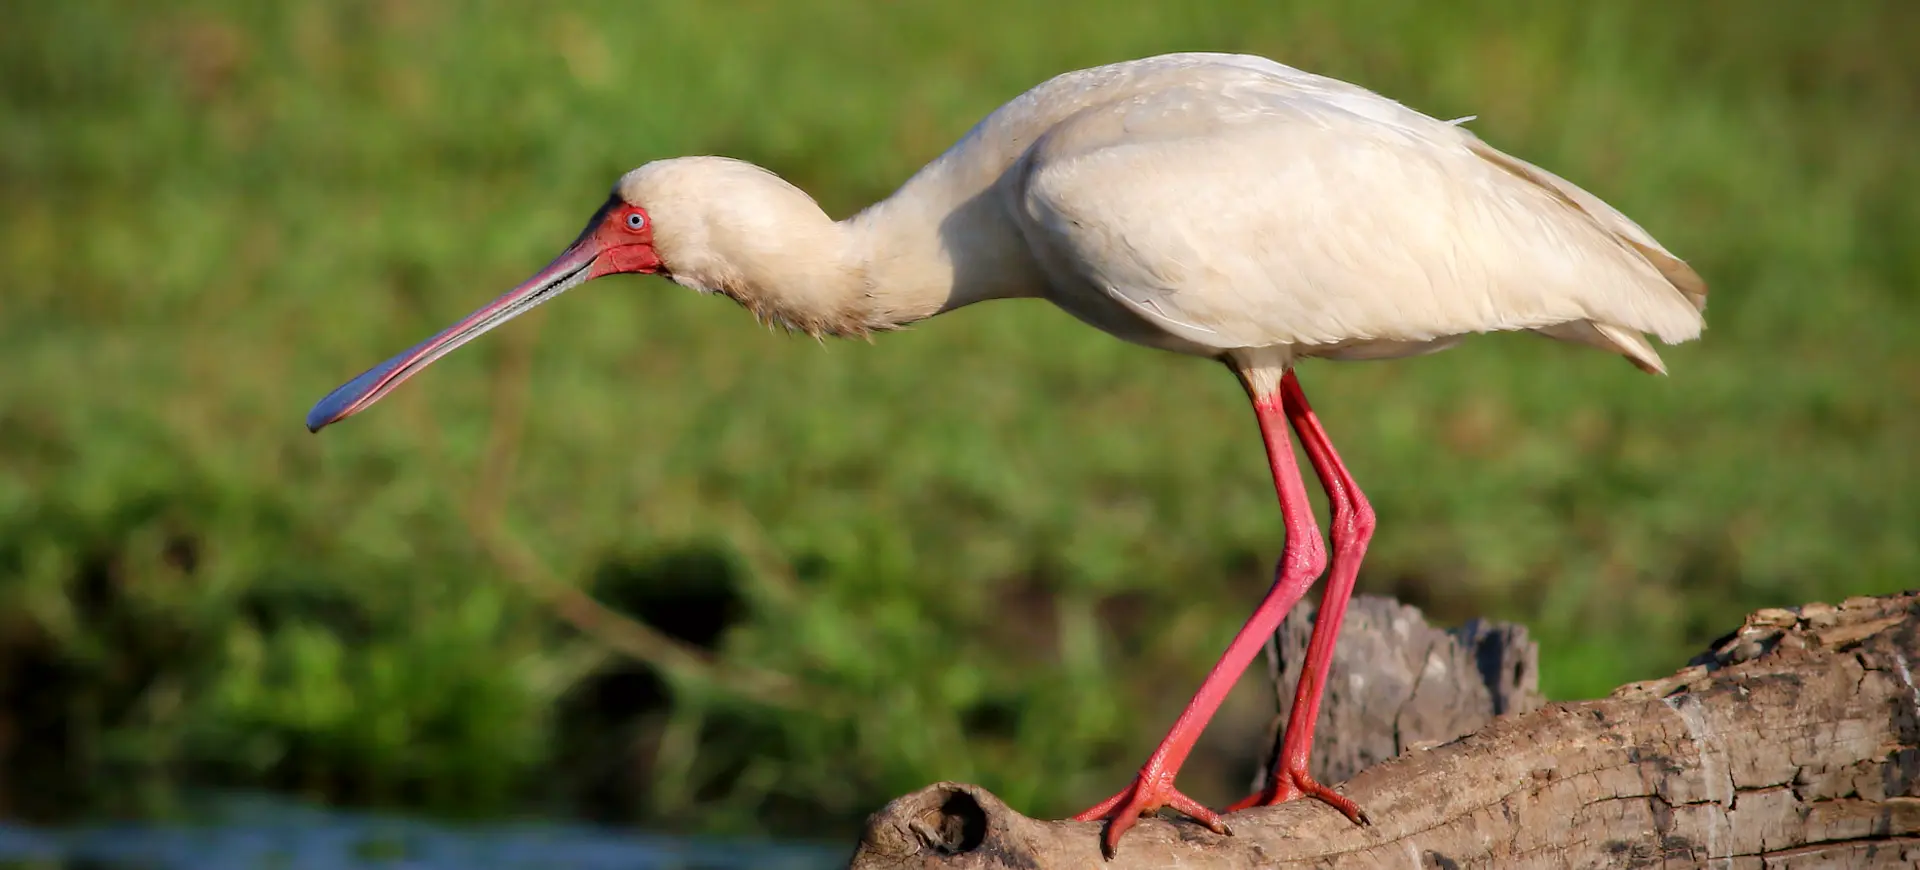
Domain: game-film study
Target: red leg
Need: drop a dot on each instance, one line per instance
(1303, 559)
(1352, 528)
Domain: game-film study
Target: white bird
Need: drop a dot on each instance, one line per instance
(1220, 205)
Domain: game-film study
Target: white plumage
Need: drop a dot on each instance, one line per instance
(1205, 202)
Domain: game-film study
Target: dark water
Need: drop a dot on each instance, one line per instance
(267, 834)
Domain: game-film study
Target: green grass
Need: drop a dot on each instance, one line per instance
(997, 547)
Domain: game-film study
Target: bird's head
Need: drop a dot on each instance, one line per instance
(679, 218)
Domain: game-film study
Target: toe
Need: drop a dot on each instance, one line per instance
(1123, 811)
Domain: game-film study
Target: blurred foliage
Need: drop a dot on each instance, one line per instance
(997, 547)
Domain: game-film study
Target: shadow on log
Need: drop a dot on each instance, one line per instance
(1794, 742)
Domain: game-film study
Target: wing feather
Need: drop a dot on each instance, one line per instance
(1245, 208)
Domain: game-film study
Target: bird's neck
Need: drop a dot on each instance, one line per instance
(932, 247)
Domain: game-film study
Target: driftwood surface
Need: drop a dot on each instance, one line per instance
(1793, 742)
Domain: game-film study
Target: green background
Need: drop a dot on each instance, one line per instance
(998, 547)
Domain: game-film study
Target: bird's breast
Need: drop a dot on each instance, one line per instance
(1097, 308)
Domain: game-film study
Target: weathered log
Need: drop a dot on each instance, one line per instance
(1397, 683)
(1794, 742)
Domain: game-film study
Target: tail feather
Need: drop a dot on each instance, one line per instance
(1672, 322)
(1676, 271)
(1606, 336)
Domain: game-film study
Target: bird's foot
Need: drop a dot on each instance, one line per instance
(1146, 794)
(1293, 784)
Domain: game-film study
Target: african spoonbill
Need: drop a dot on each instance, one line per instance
(1220, 205)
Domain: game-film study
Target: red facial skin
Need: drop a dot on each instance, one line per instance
(624, 238)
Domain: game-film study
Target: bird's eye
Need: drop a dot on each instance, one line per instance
(636, 221)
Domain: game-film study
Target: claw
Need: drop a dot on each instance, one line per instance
(1144, 796)
(1292, 784)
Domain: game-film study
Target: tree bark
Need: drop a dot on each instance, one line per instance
(1397, 684)
(1793, 742)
